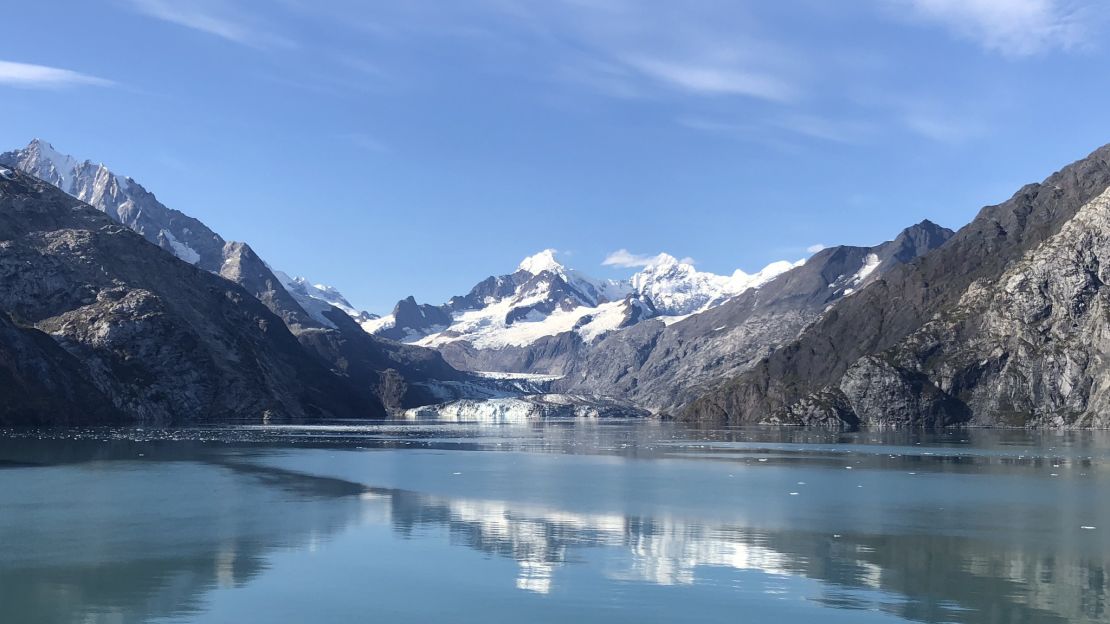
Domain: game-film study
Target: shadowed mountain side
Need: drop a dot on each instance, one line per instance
(166, 342)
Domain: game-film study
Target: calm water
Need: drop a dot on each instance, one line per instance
(555, 522)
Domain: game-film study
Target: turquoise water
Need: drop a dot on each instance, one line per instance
(553, 522)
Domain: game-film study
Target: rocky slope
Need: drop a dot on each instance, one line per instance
(164, 341)
(380, 371)
(663, 366)
(1004, 324)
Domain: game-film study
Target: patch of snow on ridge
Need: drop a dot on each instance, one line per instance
(181, 250)
(870, 263)
(319, 298)
(486, 328)
(373, 326)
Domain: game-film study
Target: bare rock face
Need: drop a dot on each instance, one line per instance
(42, 384)
(164, 341)
(828, 408)
(1031, 347)
(880, 394)
(1006, 324)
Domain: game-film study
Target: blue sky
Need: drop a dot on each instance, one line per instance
(415, 147)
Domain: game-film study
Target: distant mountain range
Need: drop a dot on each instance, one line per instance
(114, 307)
(513, 322)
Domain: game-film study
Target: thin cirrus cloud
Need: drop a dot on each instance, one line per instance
(851, 132)
(220, 19)
(710, 79)
(29, 76)
(1013, 28)
(628, 260)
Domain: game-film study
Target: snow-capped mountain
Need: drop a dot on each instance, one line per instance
(677, 288)
(316, 298)
(189, 239)
(546, 305)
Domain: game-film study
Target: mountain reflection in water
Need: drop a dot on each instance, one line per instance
(125, 531)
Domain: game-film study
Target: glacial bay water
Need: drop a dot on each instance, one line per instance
(553, 522)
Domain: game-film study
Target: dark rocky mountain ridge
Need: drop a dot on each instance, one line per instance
(165, 342)
(1001, 325)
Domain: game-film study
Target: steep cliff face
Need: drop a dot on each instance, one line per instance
(663, 367)
(1001, 325)
(164, 341)
(1028, 348)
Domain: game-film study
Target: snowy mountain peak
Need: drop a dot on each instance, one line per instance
(544, 298)
(43, 161)
(677, 288)
(666, 261)
(543, 261)
(126, 201)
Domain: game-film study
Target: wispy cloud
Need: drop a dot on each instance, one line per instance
(220, 19)
(1010, 27)
(770, 128)
(30, 76)
(628, 260)
(816, 247)
(703, 78)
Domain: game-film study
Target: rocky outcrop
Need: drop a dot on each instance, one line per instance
(415, 319)
(42, 384)
(1002, 325)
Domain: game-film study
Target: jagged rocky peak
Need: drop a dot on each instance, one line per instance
(122, 199)
(916, 239)
(41, 160)
(126, 201)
